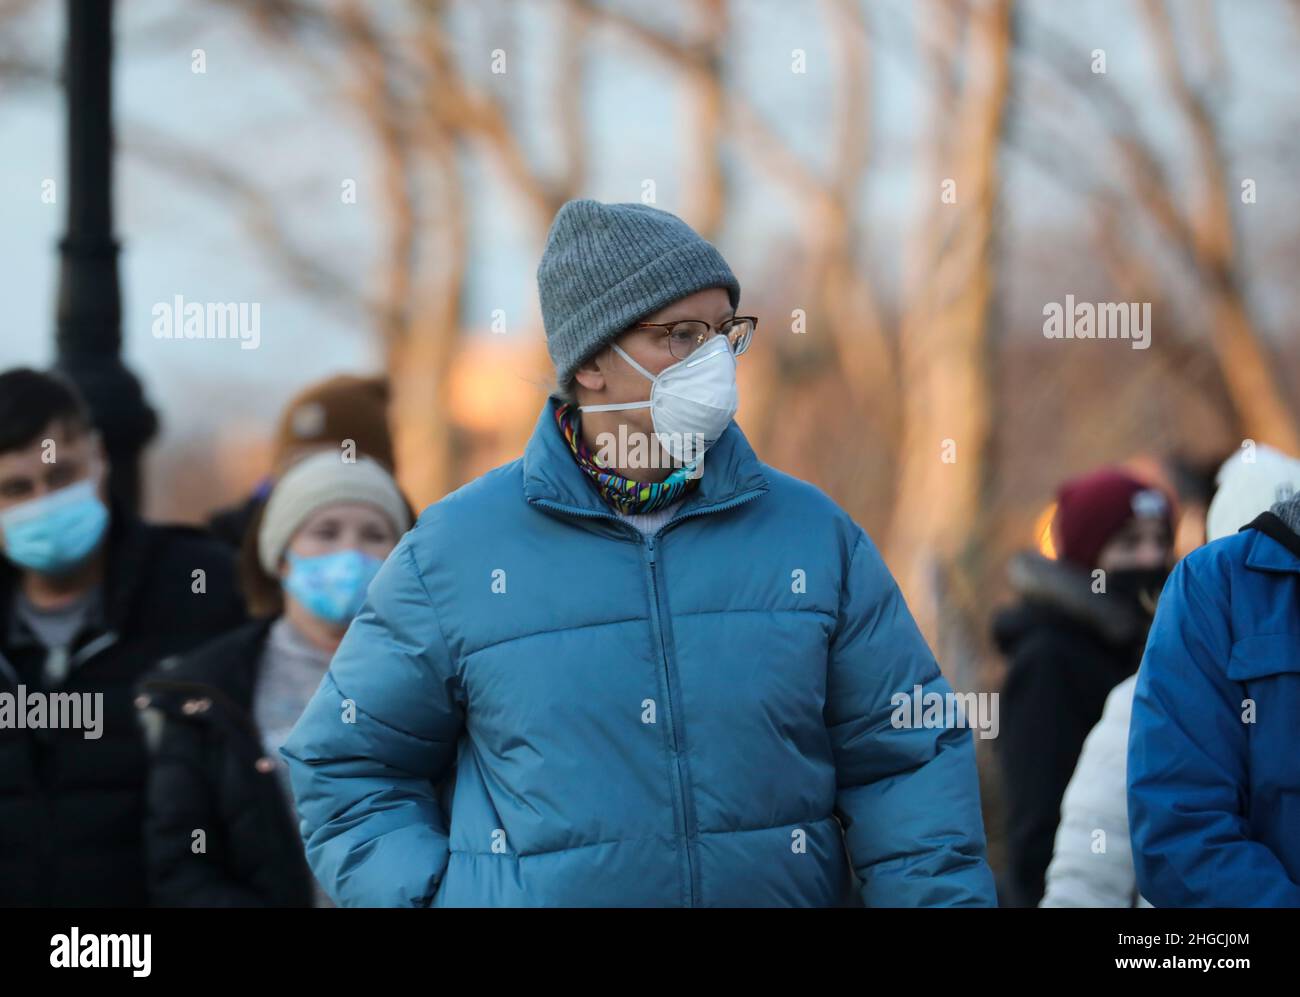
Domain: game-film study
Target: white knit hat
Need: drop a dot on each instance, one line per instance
(315, 482)
(1248, 488)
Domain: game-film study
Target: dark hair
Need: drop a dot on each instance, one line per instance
(262, 593)
(30, 400)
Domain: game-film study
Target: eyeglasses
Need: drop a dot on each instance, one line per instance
(688, 335)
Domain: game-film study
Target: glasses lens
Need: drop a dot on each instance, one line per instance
(686, 337)
(739, 331)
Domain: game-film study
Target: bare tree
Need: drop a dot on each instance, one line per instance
(1210, 245)
(946, 399)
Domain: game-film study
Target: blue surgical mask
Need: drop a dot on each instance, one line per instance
(331, 586)
(55, 533)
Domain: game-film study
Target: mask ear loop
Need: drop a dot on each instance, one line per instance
(622, 406)
(641, 370)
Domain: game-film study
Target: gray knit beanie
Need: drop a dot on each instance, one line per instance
(318, 481)
(607, 265)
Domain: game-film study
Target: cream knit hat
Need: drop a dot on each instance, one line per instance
(315, 482)
(1247, 489)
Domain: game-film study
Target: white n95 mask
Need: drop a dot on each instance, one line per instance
(691, 402)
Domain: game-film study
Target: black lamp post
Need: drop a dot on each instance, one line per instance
(90, 307)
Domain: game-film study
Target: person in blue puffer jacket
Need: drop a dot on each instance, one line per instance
(665, 674)
(1214, 741)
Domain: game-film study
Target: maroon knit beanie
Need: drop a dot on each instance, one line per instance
(1093, 508)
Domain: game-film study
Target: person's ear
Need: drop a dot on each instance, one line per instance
(95, 446)
(99, 460)
(591, 375)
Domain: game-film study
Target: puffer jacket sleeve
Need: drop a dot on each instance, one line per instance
(1187, 759)
(1081, 875)
(908, 799)
(374, 831)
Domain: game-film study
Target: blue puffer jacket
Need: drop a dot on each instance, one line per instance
(1214, 793)
(698, 718)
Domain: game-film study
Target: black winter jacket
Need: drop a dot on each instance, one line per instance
(210, 775)
(72, 808)
(1067, 647)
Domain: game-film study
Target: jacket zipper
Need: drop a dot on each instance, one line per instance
(684, 798)
(674, 741)
(648, 544)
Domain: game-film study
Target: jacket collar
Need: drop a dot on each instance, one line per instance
(1057, 583)
(552, 476)
(1274, 546)
(228, 665)
(222, 673)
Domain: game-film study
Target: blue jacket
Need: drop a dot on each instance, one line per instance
(1214, 792)
(697, 718)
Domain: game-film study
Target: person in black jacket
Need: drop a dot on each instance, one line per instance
(1077, 632)
(221, 829)
(90, 598)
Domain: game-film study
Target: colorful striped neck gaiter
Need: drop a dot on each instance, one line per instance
(627, 496)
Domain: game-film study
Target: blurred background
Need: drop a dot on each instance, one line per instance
(901, 187)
